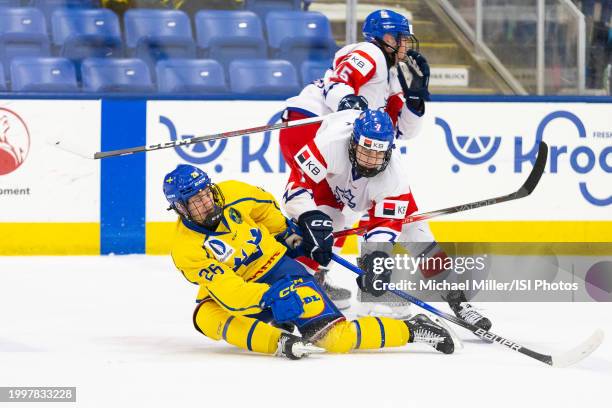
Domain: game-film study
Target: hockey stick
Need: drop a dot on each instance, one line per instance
(560, 360)
(196, 139)
(526, 189)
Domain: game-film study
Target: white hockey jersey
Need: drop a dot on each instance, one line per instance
(327, 182)
(359, 69)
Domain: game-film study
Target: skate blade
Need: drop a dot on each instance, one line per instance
(456, 340)
(304, 350)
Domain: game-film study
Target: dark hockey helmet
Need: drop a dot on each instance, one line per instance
(194, 196)
(371, 143)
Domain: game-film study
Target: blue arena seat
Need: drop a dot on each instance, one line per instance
(10, 3)
(49, 6)
(269, 77)
(263, 7)
(23, 32)
(153, 35)
(43, 74)
(2, 79)
(313, 70)
(116, 75)
(228, 35)
(298, 36)
(83, 33)
(191, 75)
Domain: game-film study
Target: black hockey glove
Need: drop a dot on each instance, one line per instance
(375, 273)
(413, 74)
(353, 102)
(317, 236)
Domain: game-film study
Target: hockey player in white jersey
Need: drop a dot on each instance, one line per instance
(350, 163)
(386, 71)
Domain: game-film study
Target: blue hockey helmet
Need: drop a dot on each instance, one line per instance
(187, 181)
(381, 22)
(371, 143)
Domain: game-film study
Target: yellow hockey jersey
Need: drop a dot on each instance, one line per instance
(226, 262)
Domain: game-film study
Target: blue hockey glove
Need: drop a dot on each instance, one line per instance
(284, 301)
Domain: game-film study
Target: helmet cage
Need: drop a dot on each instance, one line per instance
(365, 171)
(212, 218)
(413, 43)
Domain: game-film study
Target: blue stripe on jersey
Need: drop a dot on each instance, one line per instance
(358, 343)
(248, 199)
(392, 234)
(231, 308)
(250, 335)
(382, 332)
(297, 193)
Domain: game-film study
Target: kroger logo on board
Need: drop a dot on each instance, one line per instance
(14, 141)
(470, 149)
(582, 159)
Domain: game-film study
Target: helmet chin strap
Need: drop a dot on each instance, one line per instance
(389, 56)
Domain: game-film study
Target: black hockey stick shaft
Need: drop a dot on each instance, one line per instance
(527, 188)
(483, 334)
(207, 138)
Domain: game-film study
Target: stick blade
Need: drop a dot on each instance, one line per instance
(70, 148)
(579, 352)
(537, 171)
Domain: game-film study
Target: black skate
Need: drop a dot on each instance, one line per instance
(463, 310)
(424, 330)
(294, 347)
(340, 296)
(285, 326)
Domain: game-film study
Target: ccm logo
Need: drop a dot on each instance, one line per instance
(321, 223)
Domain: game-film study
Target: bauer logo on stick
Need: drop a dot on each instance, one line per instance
(14, 141)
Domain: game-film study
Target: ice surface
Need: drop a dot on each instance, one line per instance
(120, 329)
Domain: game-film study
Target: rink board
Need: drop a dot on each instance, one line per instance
(57, 203)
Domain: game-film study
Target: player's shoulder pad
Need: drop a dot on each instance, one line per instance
(187, 246)
(234, 190)
(309, 159)
(365, 58)
(373, 52)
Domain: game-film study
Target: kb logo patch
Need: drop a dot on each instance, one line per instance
(310, 165)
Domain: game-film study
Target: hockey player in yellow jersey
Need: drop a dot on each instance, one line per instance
(233, 242)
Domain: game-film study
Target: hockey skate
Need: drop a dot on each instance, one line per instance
(424, 330)
(458, 303)
(340, 296)
(294, 347)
